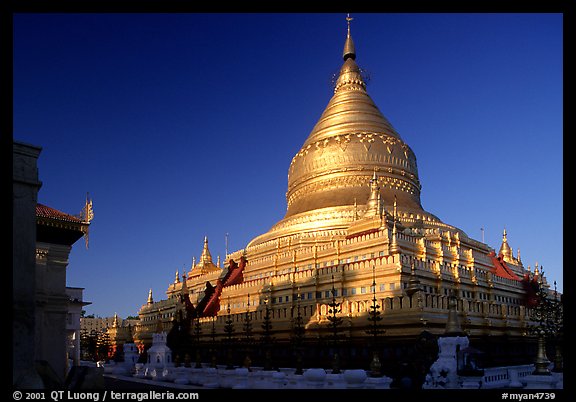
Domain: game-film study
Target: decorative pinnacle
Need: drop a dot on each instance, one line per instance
(349, 50)
(373, 205)
(348, 19)
(206, 257)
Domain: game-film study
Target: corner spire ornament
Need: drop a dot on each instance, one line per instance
(86, 216)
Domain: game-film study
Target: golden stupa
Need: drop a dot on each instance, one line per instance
(355, 232)
(329, 178)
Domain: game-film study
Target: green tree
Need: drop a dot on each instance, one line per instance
(103, 346)
(375, 329)
(229, 340)
(335, 324)
(266, 339)
(297, 336)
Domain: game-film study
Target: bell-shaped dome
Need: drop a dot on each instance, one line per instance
(329, 179)
(350, 141)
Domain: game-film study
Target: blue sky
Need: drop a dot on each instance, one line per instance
(182, 126)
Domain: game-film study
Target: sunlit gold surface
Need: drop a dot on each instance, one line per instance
(353, 217)
(332, 172)
(205, 265)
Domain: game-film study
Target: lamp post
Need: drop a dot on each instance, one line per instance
(558, 317)
(213, 348)
(541, 314)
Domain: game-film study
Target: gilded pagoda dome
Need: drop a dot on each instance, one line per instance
(329, 179)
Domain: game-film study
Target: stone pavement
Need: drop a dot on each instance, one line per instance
(119, 382)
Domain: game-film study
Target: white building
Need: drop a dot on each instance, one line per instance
(75, 305)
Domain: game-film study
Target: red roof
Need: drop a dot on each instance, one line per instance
(43, 211)
(500, 268)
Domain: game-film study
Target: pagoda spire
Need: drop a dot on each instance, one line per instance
(150, 299)
(205, 263)
(349, 50)
(505, 249)
(206, 257)
(373, 206)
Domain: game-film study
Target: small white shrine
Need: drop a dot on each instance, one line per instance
(444, 371)
(131, 354)
(159, 354)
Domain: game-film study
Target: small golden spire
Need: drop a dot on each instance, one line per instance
(177, 277)
(349, 50)
(505, 249)
(394, 241)
(395, 210)
(205, 263)
(87, 213)
(86, 216)
(348, 20)
(150, 299)
(373, 205)
(206, 257)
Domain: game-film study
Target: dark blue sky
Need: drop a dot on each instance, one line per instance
(184, 125)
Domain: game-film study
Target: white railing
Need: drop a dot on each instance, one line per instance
(505, 377)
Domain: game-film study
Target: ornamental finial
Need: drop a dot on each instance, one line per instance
(349, 50)
(348, 20)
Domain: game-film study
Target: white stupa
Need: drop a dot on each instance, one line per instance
(159, 354)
